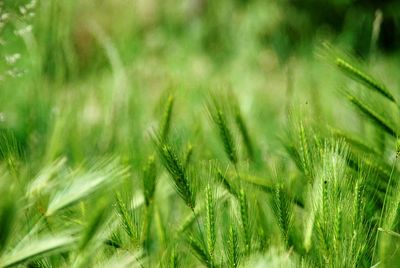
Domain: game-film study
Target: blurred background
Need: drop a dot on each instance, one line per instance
(103, 67)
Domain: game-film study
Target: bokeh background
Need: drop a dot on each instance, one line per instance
(103, 68)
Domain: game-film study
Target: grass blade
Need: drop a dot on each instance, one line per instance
(364, 78)
(225, 133)
(7, 217)
(85, 185)
(200, 251)
(373, 116)
(165, 124)
(389, 232)
(33, 249)
(240, 122)
(149, 180)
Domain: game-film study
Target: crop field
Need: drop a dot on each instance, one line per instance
(199, 133)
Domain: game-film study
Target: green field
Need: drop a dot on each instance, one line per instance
(199, 133)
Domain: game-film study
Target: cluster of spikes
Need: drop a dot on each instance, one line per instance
(335, 204)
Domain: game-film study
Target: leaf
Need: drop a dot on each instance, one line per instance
(389, 232)
(85, 185)
(149, 180)
(165, 124)
(33, 249)
(364, 78)
(93, 227)
(355, 141)
(125, 260)
(372, 115)
(200, 251)
(7, 216)
(243, 129)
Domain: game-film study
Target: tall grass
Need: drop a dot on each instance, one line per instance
(90, 176)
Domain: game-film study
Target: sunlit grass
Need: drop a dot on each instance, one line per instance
(143, 143)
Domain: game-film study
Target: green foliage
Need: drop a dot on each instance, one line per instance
(244, 216)
(364, 78)
(31, 249)
(83, 184)
(218, 116)
(173, 259)
(200, 251)
(127, 218)
(7, 217)
(244, 132)
(210, 220)
(177, 172)
(166, 120)
(282, 208)
(373, 116)
(232, 244)
(149, 180)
